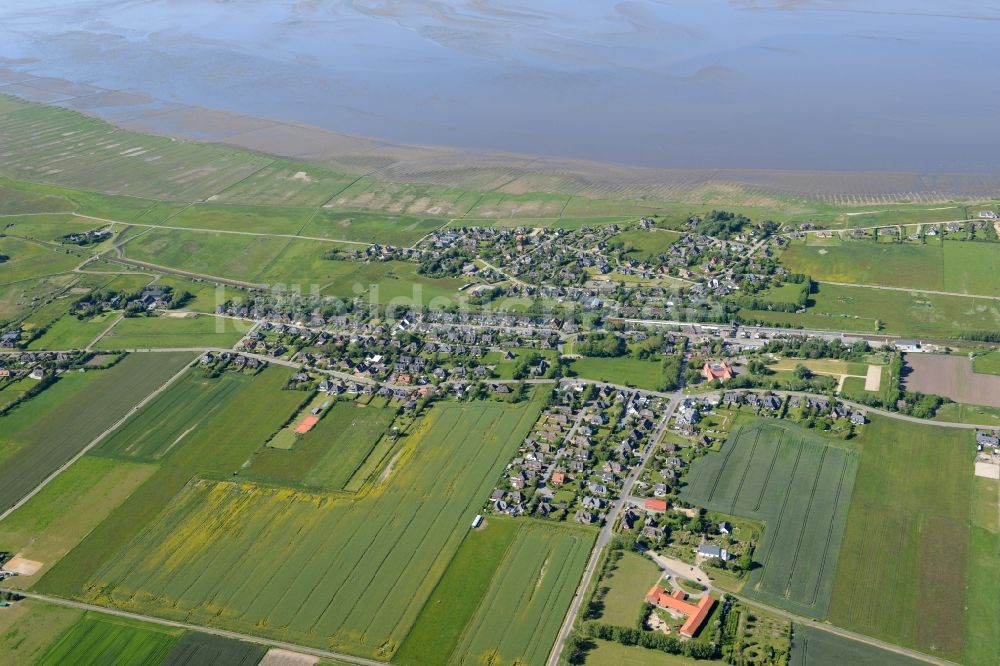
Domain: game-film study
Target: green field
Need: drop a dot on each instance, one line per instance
(642, 244)
(625, 370)
(29, 259)
(455, 598)
(901, 573)
(799, 485)
(814, 647)
(99, 640)
(63, 430)
(170, 417)
(399, 230)
(29, 627)
(955, 266)
(349, 573)
(860, 309)
(627, 585)
(982, 614)
(195, 649)
(61, 514)
(219, 445)
(166, 332)
(957, 412)
(518, 619)
(607, 653)
(987, 363)
(328, 455)
(68, 332)
(253, 219)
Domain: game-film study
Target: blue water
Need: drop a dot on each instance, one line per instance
(842, 85)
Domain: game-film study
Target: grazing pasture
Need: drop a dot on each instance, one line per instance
(902, 568)
(194, 649)
(52, 439)
(170, 417)
(350, 573)
(815, 647)
(29, 259)
(331, 453)
(799, 485)
(518, 619)
(99, 640)
(254, 219)
(951, 377)
(287, 183)
(60, 516)
(168, 331)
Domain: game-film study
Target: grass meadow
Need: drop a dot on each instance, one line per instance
(60, 432)
(988, 363)
(627, 585)
(902, 568)
(68, 332)
(166, 331)
(625, 370)
(349, 573)
(799, 485)
(982, 614)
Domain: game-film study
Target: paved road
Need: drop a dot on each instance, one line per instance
(351, 659)
(94, 442)
(606, 534)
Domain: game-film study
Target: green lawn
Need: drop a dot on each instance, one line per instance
(627, 585)
(625, 370)
(102, 639)
(167, 331)
(909, 514)
(608, 653)
(799, 485)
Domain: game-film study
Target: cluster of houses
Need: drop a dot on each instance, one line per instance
(574, 461)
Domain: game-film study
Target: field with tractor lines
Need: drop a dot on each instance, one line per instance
(519, 617)
(349, 573)
(799, 485)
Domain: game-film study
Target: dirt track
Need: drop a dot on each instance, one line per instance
(951, 377)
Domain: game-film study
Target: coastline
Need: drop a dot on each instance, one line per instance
(504, 173)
